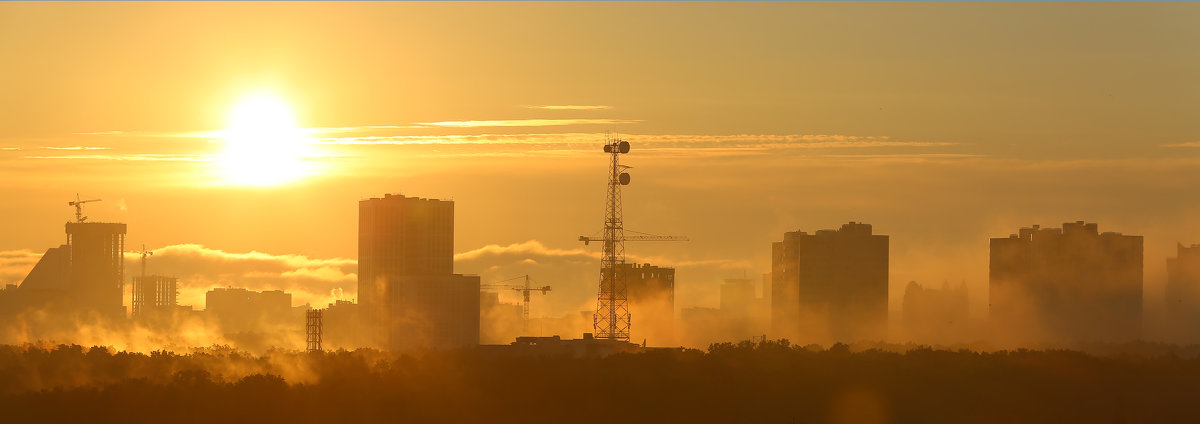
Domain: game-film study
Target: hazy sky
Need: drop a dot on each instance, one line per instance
(942, 124)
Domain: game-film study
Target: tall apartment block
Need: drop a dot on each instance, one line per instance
(831, 286)
(407, 288)
(1065, 285)
(1183, 292)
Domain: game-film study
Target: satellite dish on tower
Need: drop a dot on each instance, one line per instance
(622, 147)
(624, 178)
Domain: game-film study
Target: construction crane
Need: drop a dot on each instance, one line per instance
(78, 204)
(135, 297)
(639, 237)
(525, 290)
(144, 254)
(611, 320)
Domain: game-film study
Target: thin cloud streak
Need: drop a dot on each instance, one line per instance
(529, 123)
(683, 140)
(135, 157)
(325, 130)
(570, 107)
(534, 249)
(76, 148)
(289, 260)
(100, 133)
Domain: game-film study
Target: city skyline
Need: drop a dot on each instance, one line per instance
(1154, 303)
(1071, 282)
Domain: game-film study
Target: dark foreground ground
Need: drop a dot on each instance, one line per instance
(763, 382)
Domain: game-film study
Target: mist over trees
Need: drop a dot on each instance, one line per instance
(766, 381)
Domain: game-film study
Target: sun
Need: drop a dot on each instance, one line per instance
(263, 145)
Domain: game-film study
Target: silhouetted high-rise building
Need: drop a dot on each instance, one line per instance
(935, 315)
(1064, 285)
(97, 266)
(651, 291)
(342, 326)
(240, 310)
(1183, 292)
(406, 282)
(830, 286)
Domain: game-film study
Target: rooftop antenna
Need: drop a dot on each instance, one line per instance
(78, 204)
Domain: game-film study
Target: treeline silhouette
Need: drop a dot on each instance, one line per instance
(766, 381)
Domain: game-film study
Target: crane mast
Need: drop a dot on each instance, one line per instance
(138, 303)
(78, 204)
(525, 290)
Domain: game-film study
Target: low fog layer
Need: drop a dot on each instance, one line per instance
(762, 382)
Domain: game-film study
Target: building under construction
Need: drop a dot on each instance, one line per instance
(85, 275)
(154, 295)
(97, 266)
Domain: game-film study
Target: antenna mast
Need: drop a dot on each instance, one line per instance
(612, 320)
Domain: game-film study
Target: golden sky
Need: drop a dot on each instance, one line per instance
(942, 124)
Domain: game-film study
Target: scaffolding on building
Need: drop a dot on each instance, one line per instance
(313, 329)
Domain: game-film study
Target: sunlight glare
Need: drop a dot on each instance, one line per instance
(264, 146)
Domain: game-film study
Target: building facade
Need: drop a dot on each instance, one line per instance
(831, 286)
(651, 291)
(1066, 284)
(1183, 293)
(342, 326)
(407, 288)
